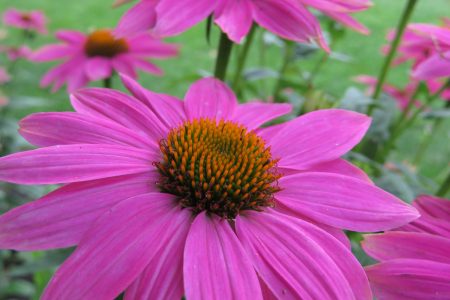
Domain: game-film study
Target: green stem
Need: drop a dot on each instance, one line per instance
(426, 142)
(107, 82)
(242, 59)
(223, 57)
(394, 46)
(445, 187)
(382, 156)
(289, 49)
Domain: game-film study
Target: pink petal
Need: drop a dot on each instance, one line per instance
(168, 109)
(117, 248)
(60, 218)
(147, 67)
(255, 114)
(293, 258)
(288, 19)
(210, 98)
(215, 264)
(436, 66)
(429, 225)
(235, 18)
(317, 137)
(163, 276)
(341, 166)
(52, 52)
(119, 108)
(348, 21)
(176, 16)
(433, 206)
(146, 44)
(392, 245)
(125, 65)
(139, 18)
(71, 36)
(98, 68)
(343, 202)
(404, 279)
(45, 129)
(74, 163)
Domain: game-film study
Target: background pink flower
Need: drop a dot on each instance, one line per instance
(164, 197)
(33, 20)
(97, 55)
(286, 18)
(4, 76)
(14, 53)
(415, 264)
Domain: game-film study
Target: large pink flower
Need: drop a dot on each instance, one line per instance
(97, 55)
(164, 197)
(289, 19)
(33, 20)
(416, 264)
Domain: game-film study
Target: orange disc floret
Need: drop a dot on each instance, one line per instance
(103, 43)
(218, 166)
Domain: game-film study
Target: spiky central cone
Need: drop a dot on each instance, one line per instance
(218, 167)
(103, 43)
(26, 17)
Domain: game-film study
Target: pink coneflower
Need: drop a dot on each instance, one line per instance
(413, 265)
(4, 76)
(156, 188)
(32, 21)
(14, 53)
(97, 55)
(401, 96)
(286, 18)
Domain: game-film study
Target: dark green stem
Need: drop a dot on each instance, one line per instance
(392, 51)
(223, 57)
(288, 52)
(107, 82)
(242, 59)
(445, 187)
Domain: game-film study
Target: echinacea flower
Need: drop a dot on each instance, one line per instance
(97, 55)
(287, 18)
(416, 264)
(4, 76)
(34, 21)
(164, 197)
(15, 53)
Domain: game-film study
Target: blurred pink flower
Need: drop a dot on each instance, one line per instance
(401, 96)
(97, 55)
(155, 187)
(33, 20)
(414, 264)
(3, 100)
(14, 53)
(4, 76)
(287, 18)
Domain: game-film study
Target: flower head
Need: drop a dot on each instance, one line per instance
(286, 18)
(14, 53)
(33, 20)
(97, 55)
(164, 197)
(414, 262)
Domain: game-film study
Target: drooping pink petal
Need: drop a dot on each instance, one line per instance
(348, 21)
(433, 206)
(397, 244)
(340, 166)
(343, 202)
(76, 79)
(52, 52)
(317, 137)
(145, 44)
(168, 109)
(147, 67)
(289, 256)
(255, 114)
(74, 163)
(140, 17)
(210, 98)
(163, 276)
(65, 128)
(117, 248)
(437, 66)
(98, 68)
(120, 108)
(70, 36)
(235, 18)
(60, 218)
(175, 16)
(429, 225)
(215, 264)
(406, 279)
(289, 20)
(125, 65)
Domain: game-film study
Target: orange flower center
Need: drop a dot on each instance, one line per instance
(103, 43)
(26, 17)
(219, 167)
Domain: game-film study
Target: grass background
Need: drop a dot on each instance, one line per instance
(197, 58)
